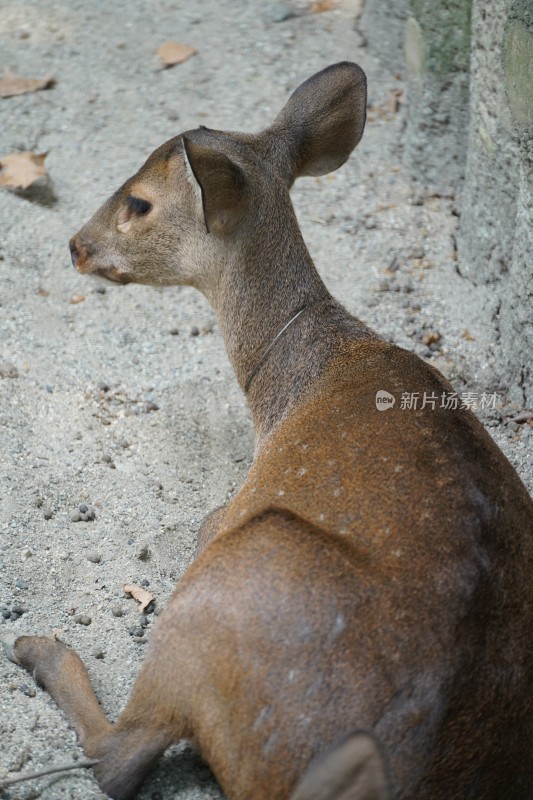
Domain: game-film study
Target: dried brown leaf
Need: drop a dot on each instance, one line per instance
(468, 336)
(394, 100)
(172, 53)
(20, 170)
(144, 597)
(12, 85)
(319, 6)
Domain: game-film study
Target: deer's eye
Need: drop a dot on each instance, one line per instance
(136, 205)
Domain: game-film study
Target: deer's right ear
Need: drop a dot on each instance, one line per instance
(219, 182)
(353, 769)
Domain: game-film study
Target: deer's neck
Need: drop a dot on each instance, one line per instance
(258, 293)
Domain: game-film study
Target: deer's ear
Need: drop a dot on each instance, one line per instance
(324, 119)
(219, 182)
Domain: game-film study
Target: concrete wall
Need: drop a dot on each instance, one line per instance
(470, 132)
(517, 295)
(495, 235)
(437, 52)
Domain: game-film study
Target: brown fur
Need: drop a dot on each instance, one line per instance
(375, 569)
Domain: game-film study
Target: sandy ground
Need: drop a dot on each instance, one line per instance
(112, 402)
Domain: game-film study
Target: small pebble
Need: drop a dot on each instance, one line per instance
(94, 557)
(26, 553)
(145, 582)
(143, 621)
(20, 583)
(281, 13)
(151, 406)
(107, 458)
(144, 553)
(29, 691)
(8, 370)
(14, 616)
(131, 541)
(174, 331)
(6, 613)
(195, 331)
(16, 608)
(97, 652)
(136, 630)
(116, 610)
(123, 443)
(48, 513)
(99, 289)
(82, 619)
(38, 502)
(103, 386)
(88, 515)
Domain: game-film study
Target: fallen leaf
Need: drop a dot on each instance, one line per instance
(431, 337)
(43, 292)
(12, 85)
(172, 53)
(468, 336)
(76, 298)
(20, 170)
(144, 597)
(319, 6)
(524, 416)
(394, 100)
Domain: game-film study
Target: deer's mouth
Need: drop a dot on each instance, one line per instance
(113, 274)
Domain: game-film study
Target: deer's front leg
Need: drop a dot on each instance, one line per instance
(127, 750)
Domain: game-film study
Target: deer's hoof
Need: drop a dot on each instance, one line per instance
(8, 641)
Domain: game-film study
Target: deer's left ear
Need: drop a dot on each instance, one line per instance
(323, 120)
(221, 183)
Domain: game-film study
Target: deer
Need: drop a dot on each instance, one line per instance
(374, 571)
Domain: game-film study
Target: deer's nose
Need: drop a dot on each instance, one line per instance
(79, 252)
(74, 251)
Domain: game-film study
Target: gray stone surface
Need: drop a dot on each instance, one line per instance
(437, 51)
(469, 122)
(495, 238)
(488, 207)
(517, 298)
(383, 24)
(429, 41)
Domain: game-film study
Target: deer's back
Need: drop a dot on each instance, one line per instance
(373, 572)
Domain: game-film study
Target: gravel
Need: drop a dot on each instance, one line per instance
(78, 380)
